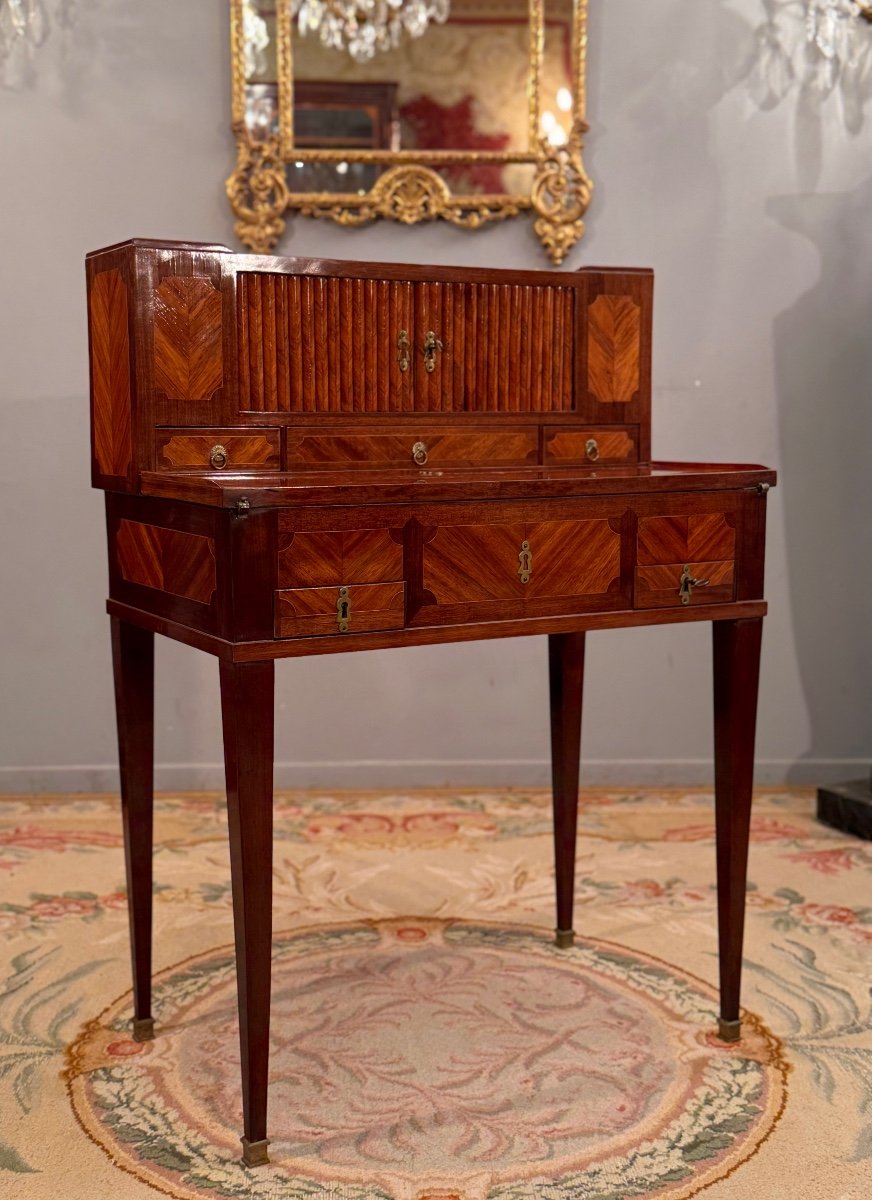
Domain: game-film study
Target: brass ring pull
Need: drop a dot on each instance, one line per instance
(431, 346)
(687, 583)
(403, 348)
(420, 454)
(218, 457)
(591, 449)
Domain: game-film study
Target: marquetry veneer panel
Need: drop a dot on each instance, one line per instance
(480, 563)
(168, 560)
(610, 445)
(330, 345)
(614, 331)
(312, 612)
(339, 557)
(705, 537)
(182, 449)
(443, 447)
(110, 374)
(188, 360)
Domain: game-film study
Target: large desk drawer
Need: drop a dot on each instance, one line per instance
(524, 568)
(420, 446)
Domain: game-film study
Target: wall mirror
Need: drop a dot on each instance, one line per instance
(469, 111)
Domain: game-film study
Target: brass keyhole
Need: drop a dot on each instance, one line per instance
(687, 583)
(525, 558)
(403, 348)
(432, 344)
(343, 610)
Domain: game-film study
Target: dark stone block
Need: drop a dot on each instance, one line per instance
(847, 806)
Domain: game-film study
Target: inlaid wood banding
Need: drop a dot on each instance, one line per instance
(110, 374)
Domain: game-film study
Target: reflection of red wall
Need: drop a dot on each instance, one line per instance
(428, 125)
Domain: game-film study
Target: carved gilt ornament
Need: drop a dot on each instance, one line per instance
(408, 185)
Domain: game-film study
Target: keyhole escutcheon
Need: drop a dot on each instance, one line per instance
(343, 610)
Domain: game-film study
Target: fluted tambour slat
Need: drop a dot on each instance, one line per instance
(329, 345)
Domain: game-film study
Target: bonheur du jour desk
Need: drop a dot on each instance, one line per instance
(309, 457)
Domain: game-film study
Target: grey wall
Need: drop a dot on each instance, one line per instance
(757, 226)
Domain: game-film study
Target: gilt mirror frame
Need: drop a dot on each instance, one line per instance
(411, 188)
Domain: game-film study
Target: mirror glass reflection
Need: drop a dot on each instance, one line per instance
(414, 75)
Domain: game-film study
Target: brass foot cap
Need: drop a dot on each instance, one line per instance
(254, 1153)
(143, 1029)
(729, 1031)
(564, 938)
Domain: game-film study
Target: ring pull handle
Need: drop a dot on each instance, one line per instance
(404, 347)
(420, 454)
(218, 457)
(591, 450)
(687, 583)
(432, 345)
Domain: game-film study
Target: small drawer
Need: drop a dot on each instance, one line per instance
(327, 556)
(672, 585)
(419, 447)
(606, 447)
(355, 608)
(218, 450)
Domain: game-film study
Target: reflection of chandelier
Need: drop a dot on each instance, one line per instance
(364, 27)
(819, 46)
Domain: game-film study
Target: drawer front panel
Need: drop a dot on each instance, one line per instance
(218, 449)
(603, 446)
(339, 557)
(518, 568)
(424, 447)
(323, 611)
(322, 344)
(699, 546)
(660, 586)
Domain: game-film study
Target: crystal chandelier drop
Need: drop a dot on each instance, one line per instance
(818, 46)
(365, 27)
(23, 29)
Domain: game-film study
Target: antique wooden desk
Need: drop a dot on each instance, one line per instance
(308, 457)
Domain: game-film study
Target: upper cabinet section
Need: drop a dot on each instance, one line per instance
(349, 345)
(196, 338)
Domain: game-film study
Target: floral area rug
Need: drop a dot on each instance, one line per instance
(429, 1042)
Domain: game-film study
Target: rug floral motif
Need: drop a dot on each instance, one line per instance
(455, 1054)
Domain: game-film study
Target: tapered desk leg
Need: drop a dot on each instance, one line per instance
(247, 703)
(736, 672)
(133, 666)
(566, 677)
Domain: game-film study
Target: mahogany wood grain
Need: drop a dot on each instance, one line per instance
(680, 538)
(338, 556)
(313, 612)
(566, 682)
(167, 560)
(248, 715)
(614, 349)
(188, 360)
(570, 445)
(736, 647)
(182, 449)
(110, 375)
(660, 585)
(133, 666)
(444, 447)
